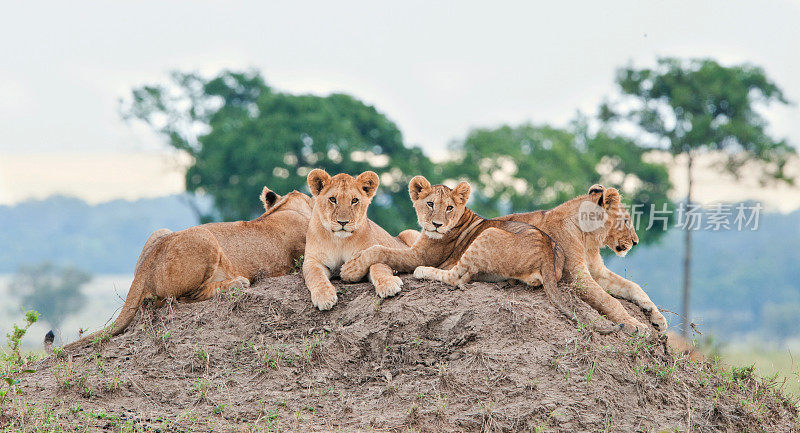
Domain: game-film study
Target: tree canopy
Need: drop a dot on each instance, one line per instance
(527, 167)
(243, 135)
(699, 104)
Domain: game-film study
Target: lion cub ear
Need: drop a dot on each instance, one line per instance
(368, 181)
(461, 193)
(318, 179)
(417, 186)
(609, 199)
(596, 189)
(268, 197)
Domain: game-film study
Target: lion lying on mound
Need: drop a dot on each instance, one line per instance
(339, 228)
(596, 284)
(451, 229)
(194, 264)
(504, 251)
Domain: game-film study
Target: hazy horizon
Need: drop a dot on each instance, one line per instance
(436, 70)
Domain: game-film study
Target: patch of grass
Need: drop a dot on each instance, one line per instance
(219, 408)
(310, 348)
(638, 344)
(102, 337)
(271, 357)
(68, 375)
(590, 373)
(12, 362)
(441, 404)
(200, 389)
(768, 363)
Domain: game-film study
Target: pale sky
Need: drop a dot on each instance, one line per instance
(435, 68)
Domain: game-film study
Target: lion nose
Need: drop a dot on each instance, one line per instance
(343, 223)
(635, 243)
(620, 248)
(437, 225)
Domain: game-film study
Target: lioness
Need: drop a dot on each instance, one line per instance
(339, 228)
(194, 264)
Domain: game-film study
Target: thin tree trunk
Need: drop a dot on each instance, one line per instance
(687, 257)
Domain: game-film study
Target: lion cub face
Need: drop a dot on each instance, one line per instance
(621, 235)
(438, 207)
(341, 201)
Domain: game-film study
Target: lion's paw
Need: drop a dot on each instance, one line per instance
(241, 283)
(388, 286)
(325, 298)
(658, 320)
(352, 271)
(636, 327)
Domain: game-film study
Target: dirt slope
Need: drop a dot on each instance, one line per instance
(496, 357)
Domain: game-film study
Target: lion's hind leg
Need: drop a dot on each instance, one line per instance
(220, 277)
(477, 258)
(210, 288)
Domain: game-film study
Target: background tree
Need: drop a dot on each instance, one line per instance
(53, 291)
(527, 167)
(694, 106)
(242, 135)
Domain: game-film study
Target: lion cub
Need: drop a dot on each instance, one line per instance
(339, 228)
(451, 230)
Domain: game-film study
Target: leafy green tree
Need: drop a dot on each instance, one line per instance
(690, 107)
(53, 291)
(242, 135)
(528, 167)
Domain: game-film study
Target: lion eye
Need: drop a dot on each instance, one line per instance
(332, 200)
(449, 208)
(430, 204)
(354, 201)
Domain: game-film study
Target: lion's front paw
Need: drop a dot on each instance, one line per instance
(388, 286)
(658, 320)
(324, 298)
(352, 270)
(636, 327)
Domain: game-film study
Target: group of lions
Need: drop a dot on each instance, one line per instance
(332, 233)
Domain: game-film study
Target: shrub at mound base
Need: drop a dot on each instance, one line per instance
(495, 357)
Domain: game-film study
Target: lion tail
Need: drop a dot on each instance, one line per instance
(132, 303)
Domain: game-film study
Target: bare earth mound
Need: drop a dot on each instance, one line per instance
(496, 357)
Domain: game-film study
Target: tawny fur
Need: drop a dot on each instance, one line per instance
(596, 284)
(194, 264)
(499, 252)
(339, 228)
(464, 245)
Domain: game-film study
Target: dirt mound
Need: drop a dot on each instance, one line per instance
(496, 357)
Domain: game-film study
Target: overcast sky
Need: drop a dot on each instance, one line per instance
(435, 68)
